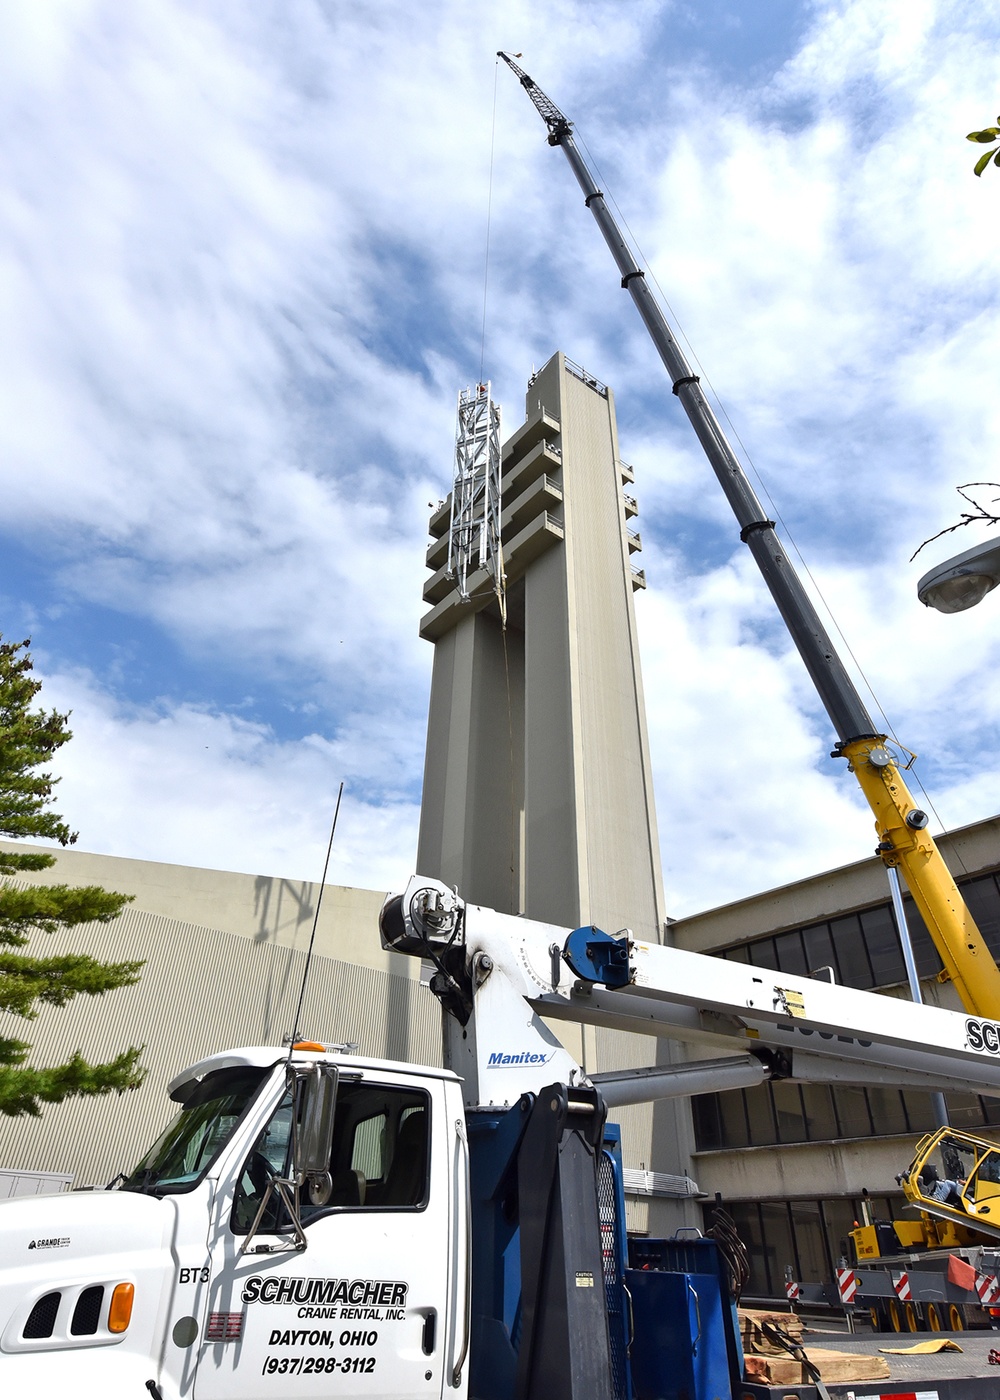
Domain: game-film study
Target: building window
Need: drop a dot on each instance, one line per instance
(863, 949)
(809, 1237)
(784, 1112)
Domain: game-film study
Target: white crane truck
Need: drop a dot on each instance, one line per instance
(313, 1223)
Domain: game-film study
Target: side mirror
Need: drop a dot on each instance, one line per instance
(318, 1088)
(314, 1100)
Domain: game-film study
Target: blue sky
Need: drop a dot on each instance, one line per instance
(241, 254)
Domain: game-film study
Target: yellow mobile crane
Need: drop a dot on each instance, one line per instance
(903, 839)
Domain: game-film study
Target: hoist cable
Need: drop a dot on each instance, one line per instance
(489, 219)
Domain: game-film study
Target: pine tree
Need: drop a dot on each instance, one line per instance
(28, 738)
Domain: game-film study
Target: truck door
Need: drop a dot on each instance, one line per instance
(364, 1309)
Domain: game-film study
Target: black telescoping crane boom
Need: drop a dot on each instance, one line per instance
(904, 840)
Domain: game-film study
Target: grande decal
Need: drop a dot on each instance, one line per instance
(361, 1299)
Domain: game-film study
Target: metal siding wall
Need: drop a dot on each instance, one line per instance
(200, 991)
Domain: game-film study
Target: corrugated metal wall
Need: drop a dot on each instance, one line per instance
(201, 990)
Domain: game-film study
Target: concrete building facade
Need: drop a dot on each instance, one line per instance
(538, 794)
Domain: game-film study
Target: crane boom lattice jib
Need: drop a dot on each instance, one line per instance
(550, 114)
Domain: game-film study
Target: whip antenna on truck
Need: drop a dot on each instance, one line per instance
(903, 839)
(312, 936)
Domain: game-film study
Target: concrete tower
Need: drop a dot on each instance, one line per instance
(537, 788)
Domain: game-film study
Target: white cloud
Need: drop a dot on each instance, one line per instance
(190, 786)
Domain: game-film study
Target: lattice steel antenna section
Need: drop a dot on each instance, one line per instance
(474, 536)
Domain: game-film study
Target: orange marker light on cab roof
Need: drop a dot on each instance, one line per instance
(308, 1045)
(120, 1312)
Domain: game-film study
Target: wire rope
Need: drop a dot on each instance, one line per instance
(489, 219)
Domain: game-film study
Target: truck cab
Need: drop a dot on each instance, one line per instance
(209, 1272)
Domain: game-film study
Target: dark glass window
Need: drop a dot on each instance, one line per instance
(864, 949)
(887, 1111)
(810, 1240)
(791, 957)
(778, 1244)
(964, 1110)
(746, 1214)
(925, 955)
(919, 1112)
(762, 953)
(760, 1115)
(839, 1217)
(733, 1119)
(884, 952)
(788, 1112)
(821, 1120)
(819, 948)
(809, 1236)
(707, 1123)
(852, 1112)
(855, 969)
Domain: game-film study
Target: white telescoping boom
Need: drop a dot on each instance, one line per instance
(499, 975)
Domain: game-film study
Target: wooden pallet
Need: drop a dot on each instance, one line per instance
(832, 1366)
(752, 1334)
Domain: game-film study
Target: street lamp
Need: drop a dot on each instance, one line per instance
(962, 581)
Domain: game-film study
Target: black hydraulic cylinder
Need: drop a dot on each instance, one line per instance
(564, 1352)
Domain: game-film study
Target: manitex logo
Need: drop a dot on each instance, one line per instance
(498, 1060)
(983, 1035)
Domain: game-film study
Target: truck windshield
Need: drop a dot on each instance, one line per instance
(188, 1146)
